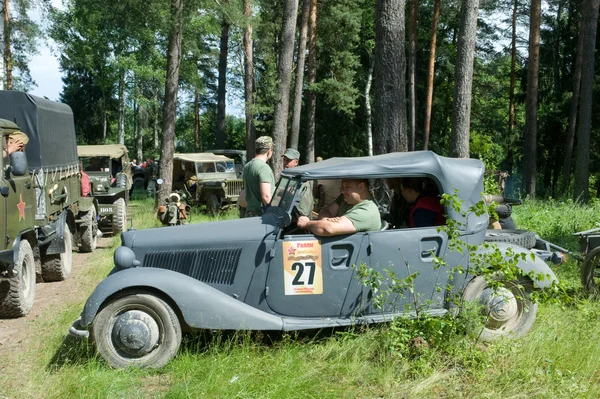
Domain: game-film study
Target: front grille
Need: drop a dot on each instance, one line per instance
(234, 187)
(215, 265)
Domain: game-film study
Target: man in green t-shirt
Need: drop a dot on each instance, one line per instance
(291, 158)
(355, 212)
(259, 182)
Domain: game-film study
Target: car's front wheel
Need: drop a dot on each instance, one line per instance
(508, 310)
(138, 330)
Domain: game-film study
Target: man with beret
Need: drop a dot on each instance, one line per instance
(291, 158)
(15, 142)
(259, 181)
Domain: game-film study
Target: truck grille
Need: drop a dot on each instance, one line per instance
(234, 187)
(215, 265)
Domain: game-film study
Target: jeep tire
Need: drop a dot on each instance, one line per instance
(17, 293)
(119, 217)
(57, 267)
(88, 231)
(523, 238)
(213, 205)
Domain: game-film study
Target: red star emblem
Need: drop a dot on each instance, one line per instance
(21, 206)
(291, 251)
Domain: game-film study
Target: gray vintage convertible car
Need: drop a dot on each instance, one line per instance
(262, 273)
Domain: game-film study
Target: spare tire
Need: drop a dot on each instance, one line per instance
(503, 211)
(523, 238)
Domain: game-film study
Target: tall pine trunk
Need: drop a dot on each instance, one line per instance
(511, 90)
(170, 104)
(222, 89)
(589, 18)
(463, 82)
(389, 132)
(7, 50)
(368, 113)
(311, 96)
(284, 75)
(531, 101)
(412, 59)
(121, 129)
(249, 80)
(295, 132)
(196, 119)
(430, 75)
(140, 133)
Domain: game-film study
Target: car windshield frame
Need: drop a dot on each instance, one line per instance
(284, 193)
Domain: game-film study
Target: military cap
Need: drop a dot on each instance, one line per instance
(291, 153)
(19, 136)
(264, 142)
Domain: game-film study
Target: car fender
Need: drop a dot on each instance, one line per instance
(531, 265)
(201, 305)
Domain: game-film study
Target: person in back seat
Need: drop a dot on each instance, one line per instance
(425, 208)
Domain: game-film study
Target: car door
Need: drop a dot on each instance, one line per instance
(404, 252)
(309, 275)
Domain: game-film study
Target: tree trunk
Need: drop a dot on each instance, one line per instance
(196, 119)
(295, 133)
(573, 107)
(431, 74)
(284, 75)
(121, 131)
(170, 104)
(390, 67)
(156, 118)
(368, 115)
(311, 96)
(249, 80)
(104, 119)
(463, 81)
(222, 90)
(140, 133)
(589, 18)
(7, 50)
(513, 72)
(531, 101)
(412, 59)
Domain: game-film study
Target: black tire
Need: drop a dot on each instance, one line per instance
(88, 231)
(138, 183)
(119, 217)
(17, 294)
(138, 330)
(590, 279)
(213, 205)
(503, 211)
(523, 238)
(509, 311)
(122, 181)
(57, 267)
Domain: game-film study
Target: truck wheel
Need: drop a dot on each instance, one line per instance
(138, 183)
(508, 310)
(88, 231)
(57, 267)
(119, 218)
(122, 180)
(213, 205)
(17, 294)
(138, 330)
(523, 238)
(589, 271)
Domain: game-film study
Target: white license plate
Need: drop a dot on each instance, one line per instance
(105, 210)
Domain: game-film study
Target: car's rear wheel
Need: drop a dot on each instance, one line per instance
(508, 310)
(138, 330)
(57, 267)
(523, 238)
(17, 293)
(119, 217)
(88, 231)
(590, 272)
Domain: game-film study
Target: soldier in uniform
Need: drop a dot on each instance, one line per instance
(15, 142)
(291, 158)
(259, 181)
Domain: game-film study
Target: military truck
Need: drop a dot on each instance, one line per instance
(110, 174)
(238, 156)
(41, 208)
(207, 179)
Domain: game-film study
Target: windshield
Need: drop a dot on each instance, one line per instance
(284, 193)
(95, 164)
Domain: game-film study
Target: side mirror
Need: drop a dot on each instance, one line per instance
(18, 163)
(4, 191)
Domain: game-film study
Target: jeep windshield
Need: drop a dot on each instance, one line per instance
(284, 193)
(212, 167)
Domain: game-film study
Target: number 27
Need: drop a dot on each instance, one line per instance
(300, 267)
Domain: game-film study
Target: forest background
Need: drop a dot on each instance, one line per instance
(511, 82)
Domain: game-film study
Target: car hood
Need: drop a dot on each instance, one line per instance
(223, 232)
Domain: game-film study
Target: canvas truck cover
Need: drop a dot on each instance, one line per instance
(114, 151)
(49, 126)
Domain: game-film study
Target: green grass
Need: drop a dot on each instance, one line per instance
(557, 359)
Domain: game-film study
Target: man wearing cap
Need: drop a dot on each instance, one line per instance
(259, 181)
(291, 158)
(15, 142)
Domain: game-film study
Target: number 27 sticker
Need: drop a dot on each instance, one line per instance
(303, 272)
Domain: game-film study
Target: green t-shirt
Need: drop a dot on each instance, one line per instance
(255, 172)
(364, 215)
(307, 201)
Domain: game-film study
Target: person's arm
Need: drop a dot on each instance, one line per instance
(265, 193)
(327, 227)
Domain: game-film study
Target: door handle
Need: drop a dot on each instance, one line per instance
(339, 259)
(427, 253)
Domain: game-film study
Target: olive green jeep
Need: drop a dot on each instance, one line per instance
(109, 170)
(42, 213)
(207, 179)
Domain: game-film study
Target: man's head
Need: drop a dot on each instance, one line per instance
(412, 187)
(319, 159)
(355, 190)
(395, 184)
(264, 145)
(291, 157)
(19, 139)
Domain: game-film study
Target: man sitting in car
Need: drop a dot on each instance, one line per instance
(425, 207)
(353, 211)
